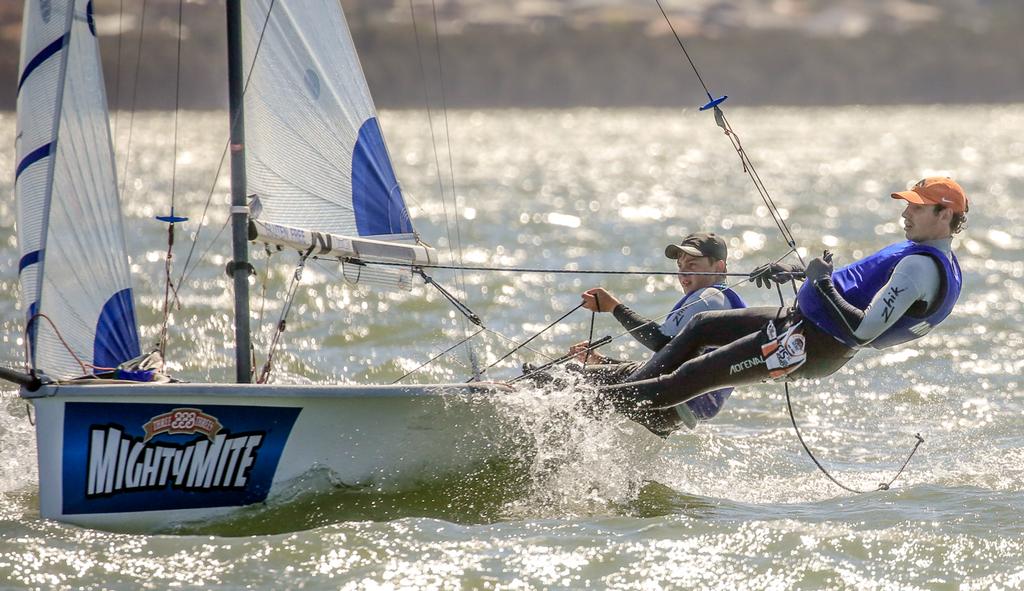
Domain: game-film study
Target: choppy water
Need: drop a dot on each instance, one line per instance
(734, 504)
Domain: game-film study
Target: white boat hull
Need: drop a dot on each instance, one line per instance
(137, 457)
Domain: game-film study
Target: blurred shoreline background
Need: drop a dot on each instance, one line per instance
(602, 53)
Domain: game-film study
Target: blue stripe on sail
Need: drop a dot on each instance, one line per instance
(33, 157)
(42, 56)
(376, 197)
(90, 19)
(33, 329)
(117, 339)
(29, 259)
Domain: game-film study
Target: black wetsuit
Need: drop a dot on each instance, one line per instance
(737, 360)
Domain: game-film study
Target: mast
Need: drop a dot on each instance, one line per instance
(239, 267)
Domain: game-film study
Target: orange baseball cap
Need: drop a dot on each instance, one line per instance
(936, 190)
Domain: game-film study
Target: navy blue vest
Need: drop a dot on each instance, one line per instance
(708, 404)
(859, 282)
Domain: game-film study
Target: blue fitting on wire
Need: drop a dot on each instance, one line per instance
(171, 219)
(714, 102)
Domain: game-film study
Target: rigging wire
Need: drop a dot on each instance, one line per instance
(881, 485)
(117, 72)
(448, 146)
(748, 165)
(293, 289)
(541, 270)
(187, 268)
(135, 93)
(524, 343)
(170, 291)
(439, 355)
(456, 245)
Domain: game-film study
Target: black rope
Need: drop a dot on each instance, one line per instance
(185, 268)
(720, 119)
(557, 271)
(526, 342)
(683, 47)
(515, 342)
(461, 307)
(799, 436)
(593, 346)
(293, 288)
(590, 335)
(439, 355)
(135, 93)
(881, 485)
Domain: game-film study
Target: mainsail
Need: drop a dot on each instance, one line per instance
(315, 156)
(74, 268)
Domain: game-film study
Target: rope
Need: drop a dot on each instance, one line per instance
(461, 307)
(28, 329)
(799, 436)
(720, 119)
(590, 335)
(169, 288)
(170, 291)
(591, 347)
(135, 93)
(515, 342)
(186, 270)
(881, 485)
(526, 342)
(439, 355)
(460, 278)
(282, 323)
(565, 271)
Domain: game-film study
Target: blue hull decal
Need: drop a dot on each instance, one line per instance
(117, 339)
(122, 457)
(46, 53)
(33, 157)
(376, 197)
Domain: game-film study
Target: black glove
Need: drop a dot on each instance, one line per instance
(819, 268)
(767, 273)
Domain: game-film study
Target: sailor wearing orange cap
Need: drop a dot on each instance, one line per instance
(893, 296)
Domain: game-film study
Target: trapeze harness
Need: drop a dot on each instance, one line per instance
(706, 406)
(813, 339)
(656, 337)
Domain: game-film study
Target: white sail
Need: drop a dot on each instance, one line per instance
(73, 268)
(315, 156)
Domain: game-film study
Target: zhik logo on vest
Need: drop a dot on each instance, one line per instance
(119, 462)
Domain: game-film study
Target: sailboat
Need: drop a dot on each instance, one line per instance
(120, 450)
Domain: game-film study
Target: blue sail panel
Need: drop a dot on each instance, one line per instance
(117, 339)
(376, 196)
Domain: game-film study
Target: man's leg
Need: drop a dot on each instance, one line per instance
(736, 364)
(707, 329)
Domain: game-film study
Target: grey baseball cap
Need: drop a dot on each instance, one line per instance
(699, 244)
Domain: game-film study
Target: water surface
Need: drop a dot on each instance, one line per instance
(734, 504)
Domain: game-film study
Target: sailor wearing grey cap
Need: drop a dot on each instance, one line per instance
(700, 252)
